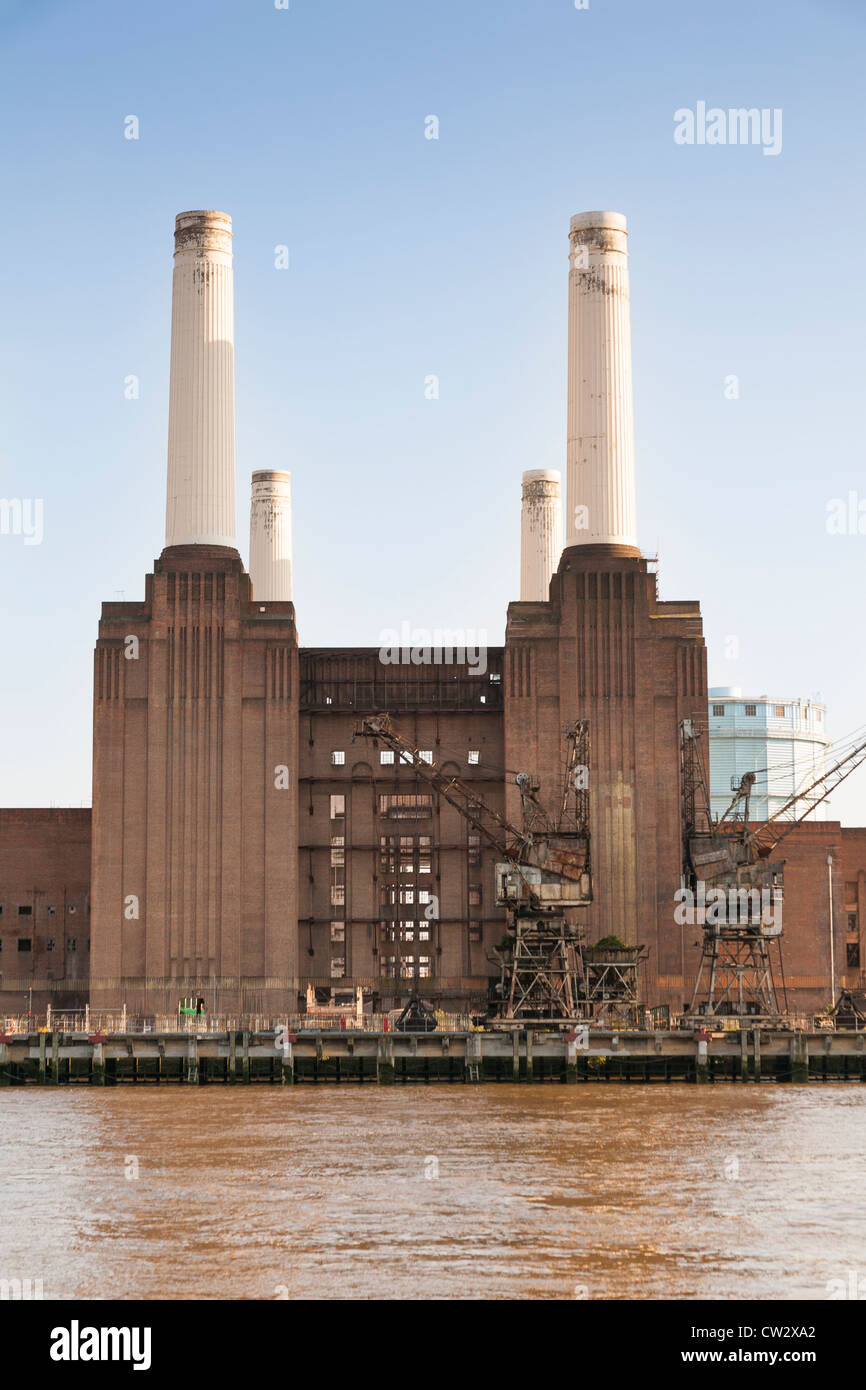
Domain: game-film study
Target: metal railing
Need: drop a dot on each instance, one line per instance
(93, 1021)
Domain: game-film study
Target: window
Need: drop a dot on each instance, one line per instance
(473, 757)
(386, 757)
(338, 757)
(389, 965)
(338, 853)
(338, 895)
(475, 895)
(423, 895)
(475, 933)
(817, 721)
(338, 931)
(49, 944)
(51, 911)
(779, 711)
(72, 943)
(474, 851)
(751, 711)
(852, 951)
(407, 807)
(425, 754)
(72, 907)
(24, 943)
(407, 967)
(338, 807)
(423, 966)
(718, 711)
(338, 967)
(25, 911)
(852, 921)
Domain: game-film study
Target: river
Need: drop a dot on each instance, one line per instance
(439, 1192)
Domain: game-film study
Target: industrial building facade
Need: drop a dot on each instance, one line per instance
(246, 845)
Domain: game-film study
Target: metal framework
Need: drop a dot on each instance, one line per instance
(739, 974)
(724, 866)
(544, 868)
(724, 870)
(612, 985)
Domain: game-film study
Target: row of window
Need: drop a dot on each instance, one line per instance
(26, 910)
(387, 757)
(779, 712)
(402, 806)
(25, 943)
(389, 965)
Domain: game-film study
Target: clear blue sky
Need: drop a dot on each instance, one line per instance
(411, 257)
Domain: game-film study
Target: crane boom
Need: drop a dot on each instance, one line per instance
(764, 843)
(509, 842)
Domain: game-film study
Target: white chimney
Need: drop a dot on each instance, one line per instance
(540, 533)
(200, 506)
(600, 501)
(271, 535)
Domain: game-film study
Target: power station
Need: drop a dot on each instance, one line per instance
(259, 840)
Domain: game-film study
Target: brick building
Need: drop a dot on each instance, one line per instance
(244, 846)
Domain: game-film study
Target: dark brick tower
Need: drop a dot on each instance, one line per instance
(194, 874)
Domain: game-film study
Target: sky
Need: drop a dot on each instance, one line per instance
(411, 257)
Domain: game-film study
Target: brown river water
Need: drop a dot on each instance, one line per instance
(600, 1192)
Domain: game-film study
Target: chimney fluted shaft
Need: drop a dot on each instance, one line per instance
(200, 502)
(600, 502)
(540, 533)
(271, 536)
